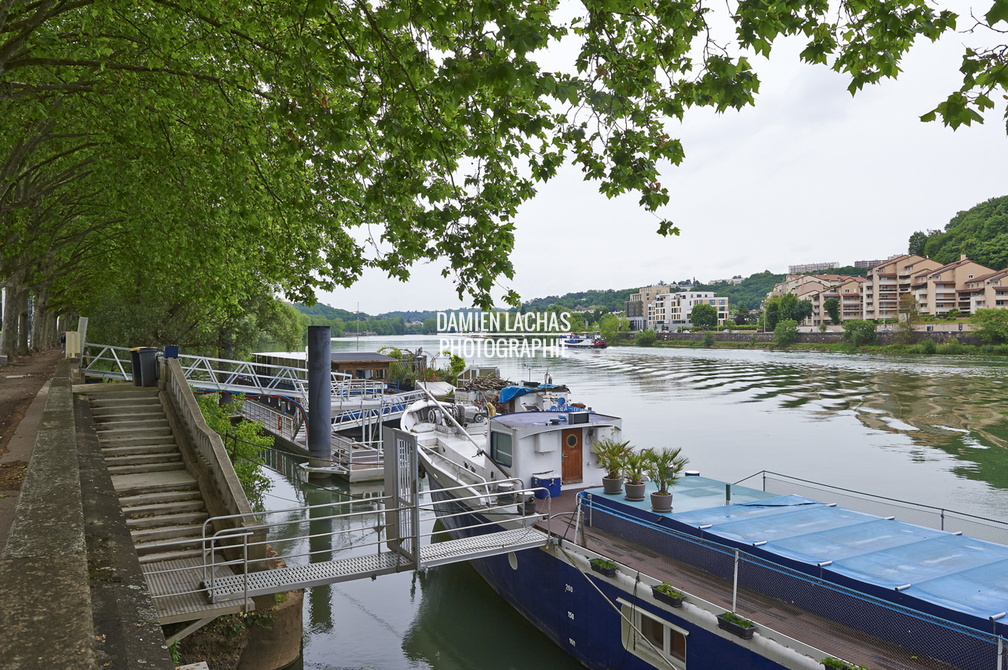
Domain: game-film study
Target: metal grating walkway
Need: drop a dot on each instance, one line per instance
(231, 587)
(176, 587)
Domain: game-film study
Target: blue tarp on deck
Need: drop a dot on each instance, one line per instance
(950, 575)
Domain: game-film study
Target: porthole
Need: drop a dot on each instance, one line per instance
(572, 440)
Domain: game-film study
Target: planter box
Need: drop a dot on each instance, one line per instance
(603, 570)
(674, 601)
(734, 628)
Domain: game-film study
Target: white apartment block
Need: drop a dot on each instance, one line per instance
(671, 311)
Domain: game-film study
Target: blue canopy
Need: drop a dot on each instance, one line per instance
(511, 392)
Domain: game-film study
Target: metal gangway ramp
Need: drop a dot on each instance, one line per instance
(104, 361)
(341, 541)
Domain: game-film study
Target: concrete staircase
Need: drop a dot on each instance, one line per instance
(160, 499)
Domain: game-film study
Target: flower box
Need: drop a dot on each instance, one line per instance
(604, 566)
(672, 599)
(735, 625)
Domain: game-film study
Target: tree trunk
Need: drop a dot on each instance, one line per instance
(21, 305)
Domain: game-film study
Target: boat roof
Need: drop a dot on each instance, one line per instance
(945, 572)
(551, 418)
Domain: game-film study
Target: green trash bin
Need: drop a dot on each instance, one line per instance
(144, 361)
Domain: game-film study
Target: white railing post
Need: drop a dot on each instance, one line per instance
(734, 594)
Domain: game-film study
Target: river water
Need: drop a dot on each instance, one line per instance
(932, 430)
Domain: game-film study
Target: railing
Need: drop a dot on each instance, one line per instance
(352, 533)
(744, 582)
(273, 420)
(920, 514)
(228, 376)
(217, 478)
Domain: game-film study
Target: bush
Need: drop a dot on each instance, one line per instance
(708, 340)
(243, 442)
(785, 332)
(858, 332)
(928, 346)
(953, 347)
(645, 338)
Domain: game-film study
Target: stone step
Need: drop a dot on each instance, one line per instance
(144, 536)
(166, 507)
(116, 460)
(159, 520)
(151, 482)
(120, 397)
(133, 423)
(157, 557)
(145, 468)
(129, 502)
(162, 445)
(115, 437)
(136, 439)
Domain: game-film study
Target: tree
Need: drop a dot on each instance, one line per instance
(908, 316)
(703, 316)
(832, 307)
(221, 146)
(802, 310)
(613, 326)
(771, 313)
(991, 325)
(785, 332)
(859, 331)
(741, 315)
(916, 243)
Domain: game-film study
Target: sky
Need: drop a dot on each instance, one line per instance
(810, 174)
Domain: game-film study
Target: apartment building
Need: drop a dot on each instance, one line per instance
(851, 299)
(671, 311)
(637, 305)
(988, 291)
(885, 282)
(943, 289)
(814, 288)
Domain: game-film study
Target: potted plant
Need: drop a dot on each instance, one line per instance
(634, 464)
(838, 664)
(603, 566)
(736, 625)
(610, 455)
(663, 467)
(667, 594)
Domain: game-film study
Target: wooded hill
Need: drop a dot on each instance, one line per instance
(981, 233)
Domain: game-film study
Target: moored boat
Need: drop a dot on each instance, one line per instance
(805, 583)
(583, 341)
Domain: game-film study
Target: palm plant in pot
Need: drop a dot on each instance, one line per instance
(634, 464)
(663, 467)
(611, 454)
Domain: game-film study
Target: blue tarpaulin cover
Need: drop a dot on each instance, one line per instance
(511, 392)
(951, 571)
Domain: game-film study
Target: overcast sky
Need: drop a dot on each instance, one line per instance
(808, 175)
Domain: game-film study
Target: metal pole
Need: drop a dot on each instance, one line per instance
(734, 593)
(319, 397)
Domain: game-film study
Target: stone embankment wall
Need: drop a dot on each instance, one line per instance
(745, 337)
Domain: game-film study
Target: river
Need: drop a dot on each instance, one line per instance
(927, 429)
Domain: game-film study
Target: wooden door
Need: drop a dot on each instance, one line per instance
(572, 456)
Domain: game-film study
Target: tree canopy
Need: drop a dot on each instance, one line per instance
(192, 153)
(980, 232)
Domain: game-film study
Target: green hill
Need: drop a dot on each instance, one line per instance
(980, 232)
(749, 294)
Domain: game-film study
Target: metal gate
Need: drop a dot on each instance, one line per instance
(401, 486)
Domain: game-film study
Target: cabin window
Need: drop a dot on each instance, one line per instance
(501, 449)
(652, 638)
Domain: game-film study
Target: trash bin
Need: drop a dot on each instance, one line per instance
(144, 361)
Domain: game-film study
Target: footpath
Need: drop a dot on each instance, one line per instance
(71, 599)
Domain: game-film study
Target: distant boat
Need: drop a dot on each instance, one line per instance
(585, 341)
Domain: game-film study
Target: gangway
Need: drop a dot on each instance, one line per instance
(355, 539)
(102, 361)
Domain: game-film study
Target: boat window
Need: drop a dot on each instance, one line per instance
(652, 638)
(501, 449)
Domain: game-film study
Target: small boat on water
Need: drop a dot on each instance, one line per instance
(583, 341)
(770, 575)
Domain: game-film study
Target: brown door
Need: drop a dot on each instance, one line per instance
(572, 456)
